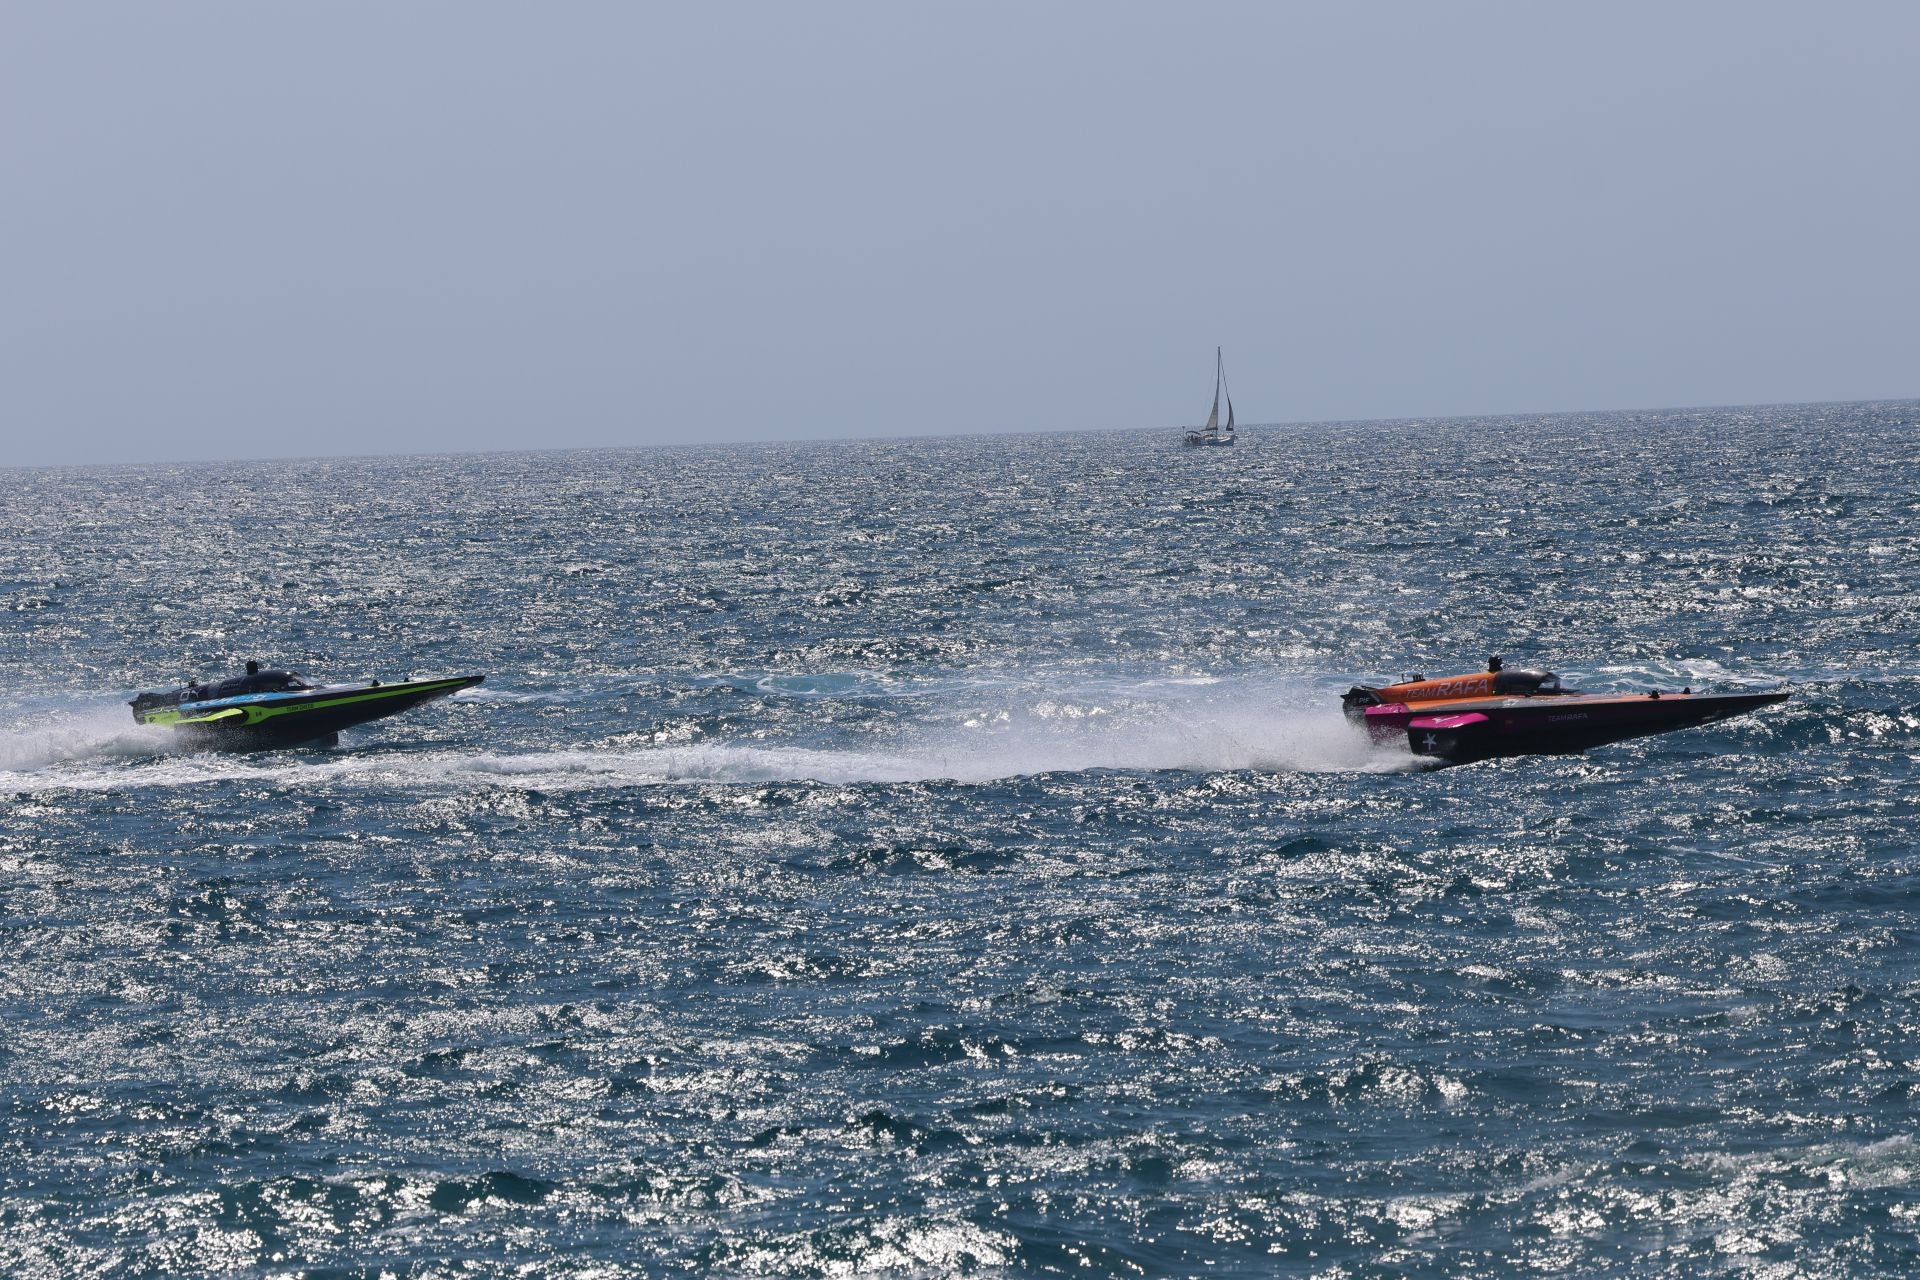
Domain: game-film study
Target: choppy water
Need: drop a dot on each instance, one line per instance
(946, 857)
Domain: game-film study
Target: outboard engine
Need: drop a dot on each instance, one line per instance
(1356, 700)
(146, 702)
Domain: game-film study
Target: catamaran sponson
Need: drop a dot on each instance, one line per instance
(263, 709)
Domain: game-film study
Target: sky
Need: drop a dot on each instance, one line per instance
(241, 230)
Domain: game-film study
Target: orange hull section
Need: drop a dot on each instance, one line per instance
(1447, 688)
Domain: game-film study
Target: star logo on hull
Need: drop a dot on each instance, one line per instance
(1430, 744)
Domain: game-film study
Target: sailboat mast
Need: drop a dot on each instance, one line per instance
(1213, 419)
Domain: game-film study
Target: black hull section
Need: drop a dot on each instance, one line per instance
(319, 725)
(1554, 727)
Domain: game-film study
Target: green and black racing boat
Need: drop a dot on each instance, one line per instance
(265, 709)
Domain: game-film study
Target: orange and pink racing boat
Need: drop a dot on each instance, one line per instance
(1499, 712)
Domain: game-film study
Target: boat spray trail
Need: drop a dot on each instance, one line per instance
(78, 733)
(987, 731)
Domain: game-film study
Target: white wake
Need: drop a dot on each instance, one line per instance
(1159, 727)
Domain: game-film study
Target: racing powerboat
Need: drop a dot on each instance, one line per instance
(266, 709)
(1498, 712)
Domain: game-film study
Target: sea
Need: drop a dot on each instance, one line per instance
(934, 857)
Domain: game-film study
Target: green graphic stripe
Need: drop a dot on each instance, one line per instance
(228, 714)
(367, 695)
(255, 713)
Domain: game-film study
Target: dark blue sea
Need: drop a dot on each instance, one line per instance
(947, 857)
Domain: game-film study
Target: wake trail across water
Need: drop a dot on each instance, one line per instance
(986, 736)
(1282, 742)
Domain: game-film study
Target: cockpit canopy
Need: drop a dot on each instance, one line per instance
(1518, 683)
(253, 682)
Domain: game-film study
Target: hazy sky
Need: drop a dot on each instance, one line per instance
(247, 229)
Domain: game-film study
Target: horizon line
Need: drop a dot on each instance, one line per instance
(941, 435)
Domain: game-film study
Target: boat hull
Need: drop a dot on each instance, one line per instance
(1478, 729)
(315, 717)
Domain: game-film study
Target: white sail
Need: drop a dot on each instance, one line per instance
(1220, 370)
(1213, 419)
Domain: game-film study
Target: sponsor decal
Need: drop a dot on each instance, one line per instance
(1464, 687)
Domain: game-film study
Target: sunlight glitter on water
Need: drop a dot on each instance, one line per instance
(947, 856)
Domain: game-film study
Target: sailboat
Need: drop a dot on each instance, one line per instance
(1212, 433)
